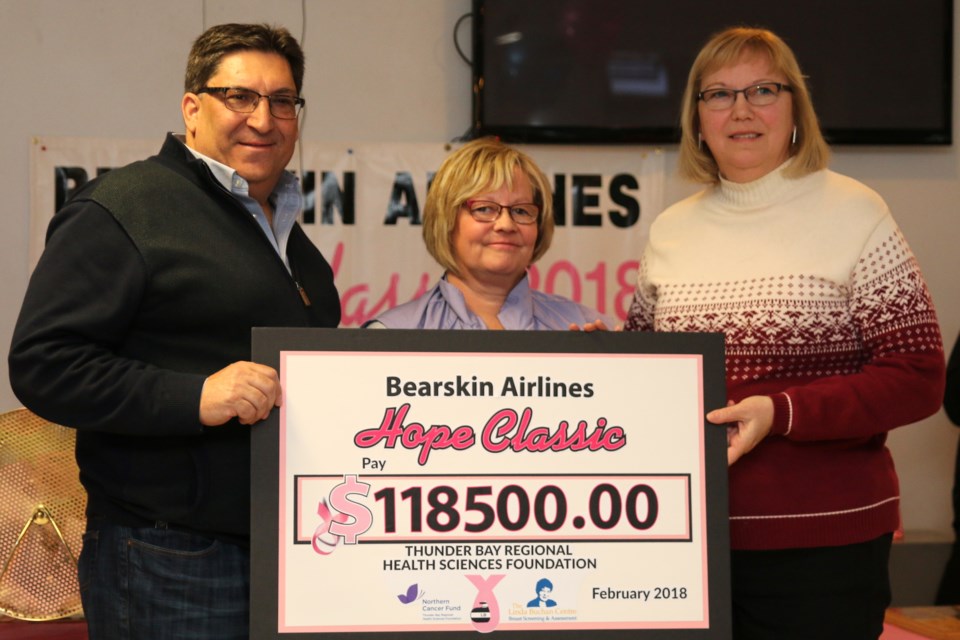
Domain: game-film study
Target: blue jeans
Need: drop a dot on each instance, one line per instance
(150, 583)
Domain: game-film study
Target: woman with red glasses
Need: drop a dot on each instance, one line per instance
(487, 218)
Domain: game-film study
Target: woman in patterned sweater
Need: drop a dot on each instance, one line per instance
(831, 340)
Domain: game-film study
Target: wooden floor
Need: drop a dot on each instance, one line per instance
(54, 630)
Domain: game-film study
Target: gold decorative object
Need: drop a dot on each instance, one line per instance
(42, 519)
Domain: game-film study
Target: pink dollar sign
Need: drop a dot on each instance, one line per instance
(485, 615)
(359, 513)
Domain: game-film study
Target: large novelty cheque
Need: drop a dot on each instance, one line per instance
(509, 482)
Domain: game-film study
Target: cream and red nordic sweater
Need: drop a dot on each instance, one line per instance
(825, 310)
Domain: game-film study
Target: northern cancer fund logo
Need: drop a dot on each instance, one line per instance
(413, 594)
(433, 609)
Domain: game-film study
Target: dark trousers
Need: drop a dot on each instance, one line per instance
(821, 593)
(154, 584)
(949, 589)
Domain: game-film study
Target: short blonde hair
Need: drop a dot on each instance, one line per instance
(485, 164)
(810, 153)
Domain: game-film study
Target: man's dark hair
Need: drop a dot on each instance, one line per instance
(223, 39)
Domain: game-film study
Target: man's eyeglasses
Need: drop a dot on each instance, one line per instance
(759, 95)
(282, 106)
(486, 211)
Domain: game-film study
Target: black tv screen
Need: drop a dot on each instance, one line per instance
(609, 71)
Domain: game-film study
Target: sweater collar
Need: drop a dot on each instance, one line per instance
(757, 193)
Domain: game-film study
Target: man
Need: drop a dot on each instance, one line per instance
(135, 330)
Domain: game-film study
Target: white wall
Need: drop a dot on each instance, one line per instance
(382, 71)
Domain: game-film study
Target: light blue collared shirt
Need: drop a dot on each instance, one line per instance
(286, 200)
(444, 307)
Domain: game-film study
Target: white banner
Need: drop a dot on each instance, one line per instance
(364, 207)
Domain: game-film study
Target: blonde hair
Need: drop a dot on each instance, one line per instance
(485, 164)
(810, 152)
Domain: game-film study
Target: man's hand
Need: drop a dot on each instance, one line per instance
(244, 390)
(751, 418)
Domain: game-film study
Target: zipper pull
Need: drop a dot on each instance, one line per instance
(303, 294)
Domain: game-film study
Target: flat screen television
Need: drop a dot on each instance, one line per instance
(613, 71)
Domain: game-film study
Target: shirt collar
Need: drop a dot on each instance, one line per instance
(226, 176)
(285, 200)
(516, 312)
(285, 197)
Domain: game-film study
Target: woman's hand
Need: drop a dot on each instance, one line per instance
(748, 422)
(596, 325)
